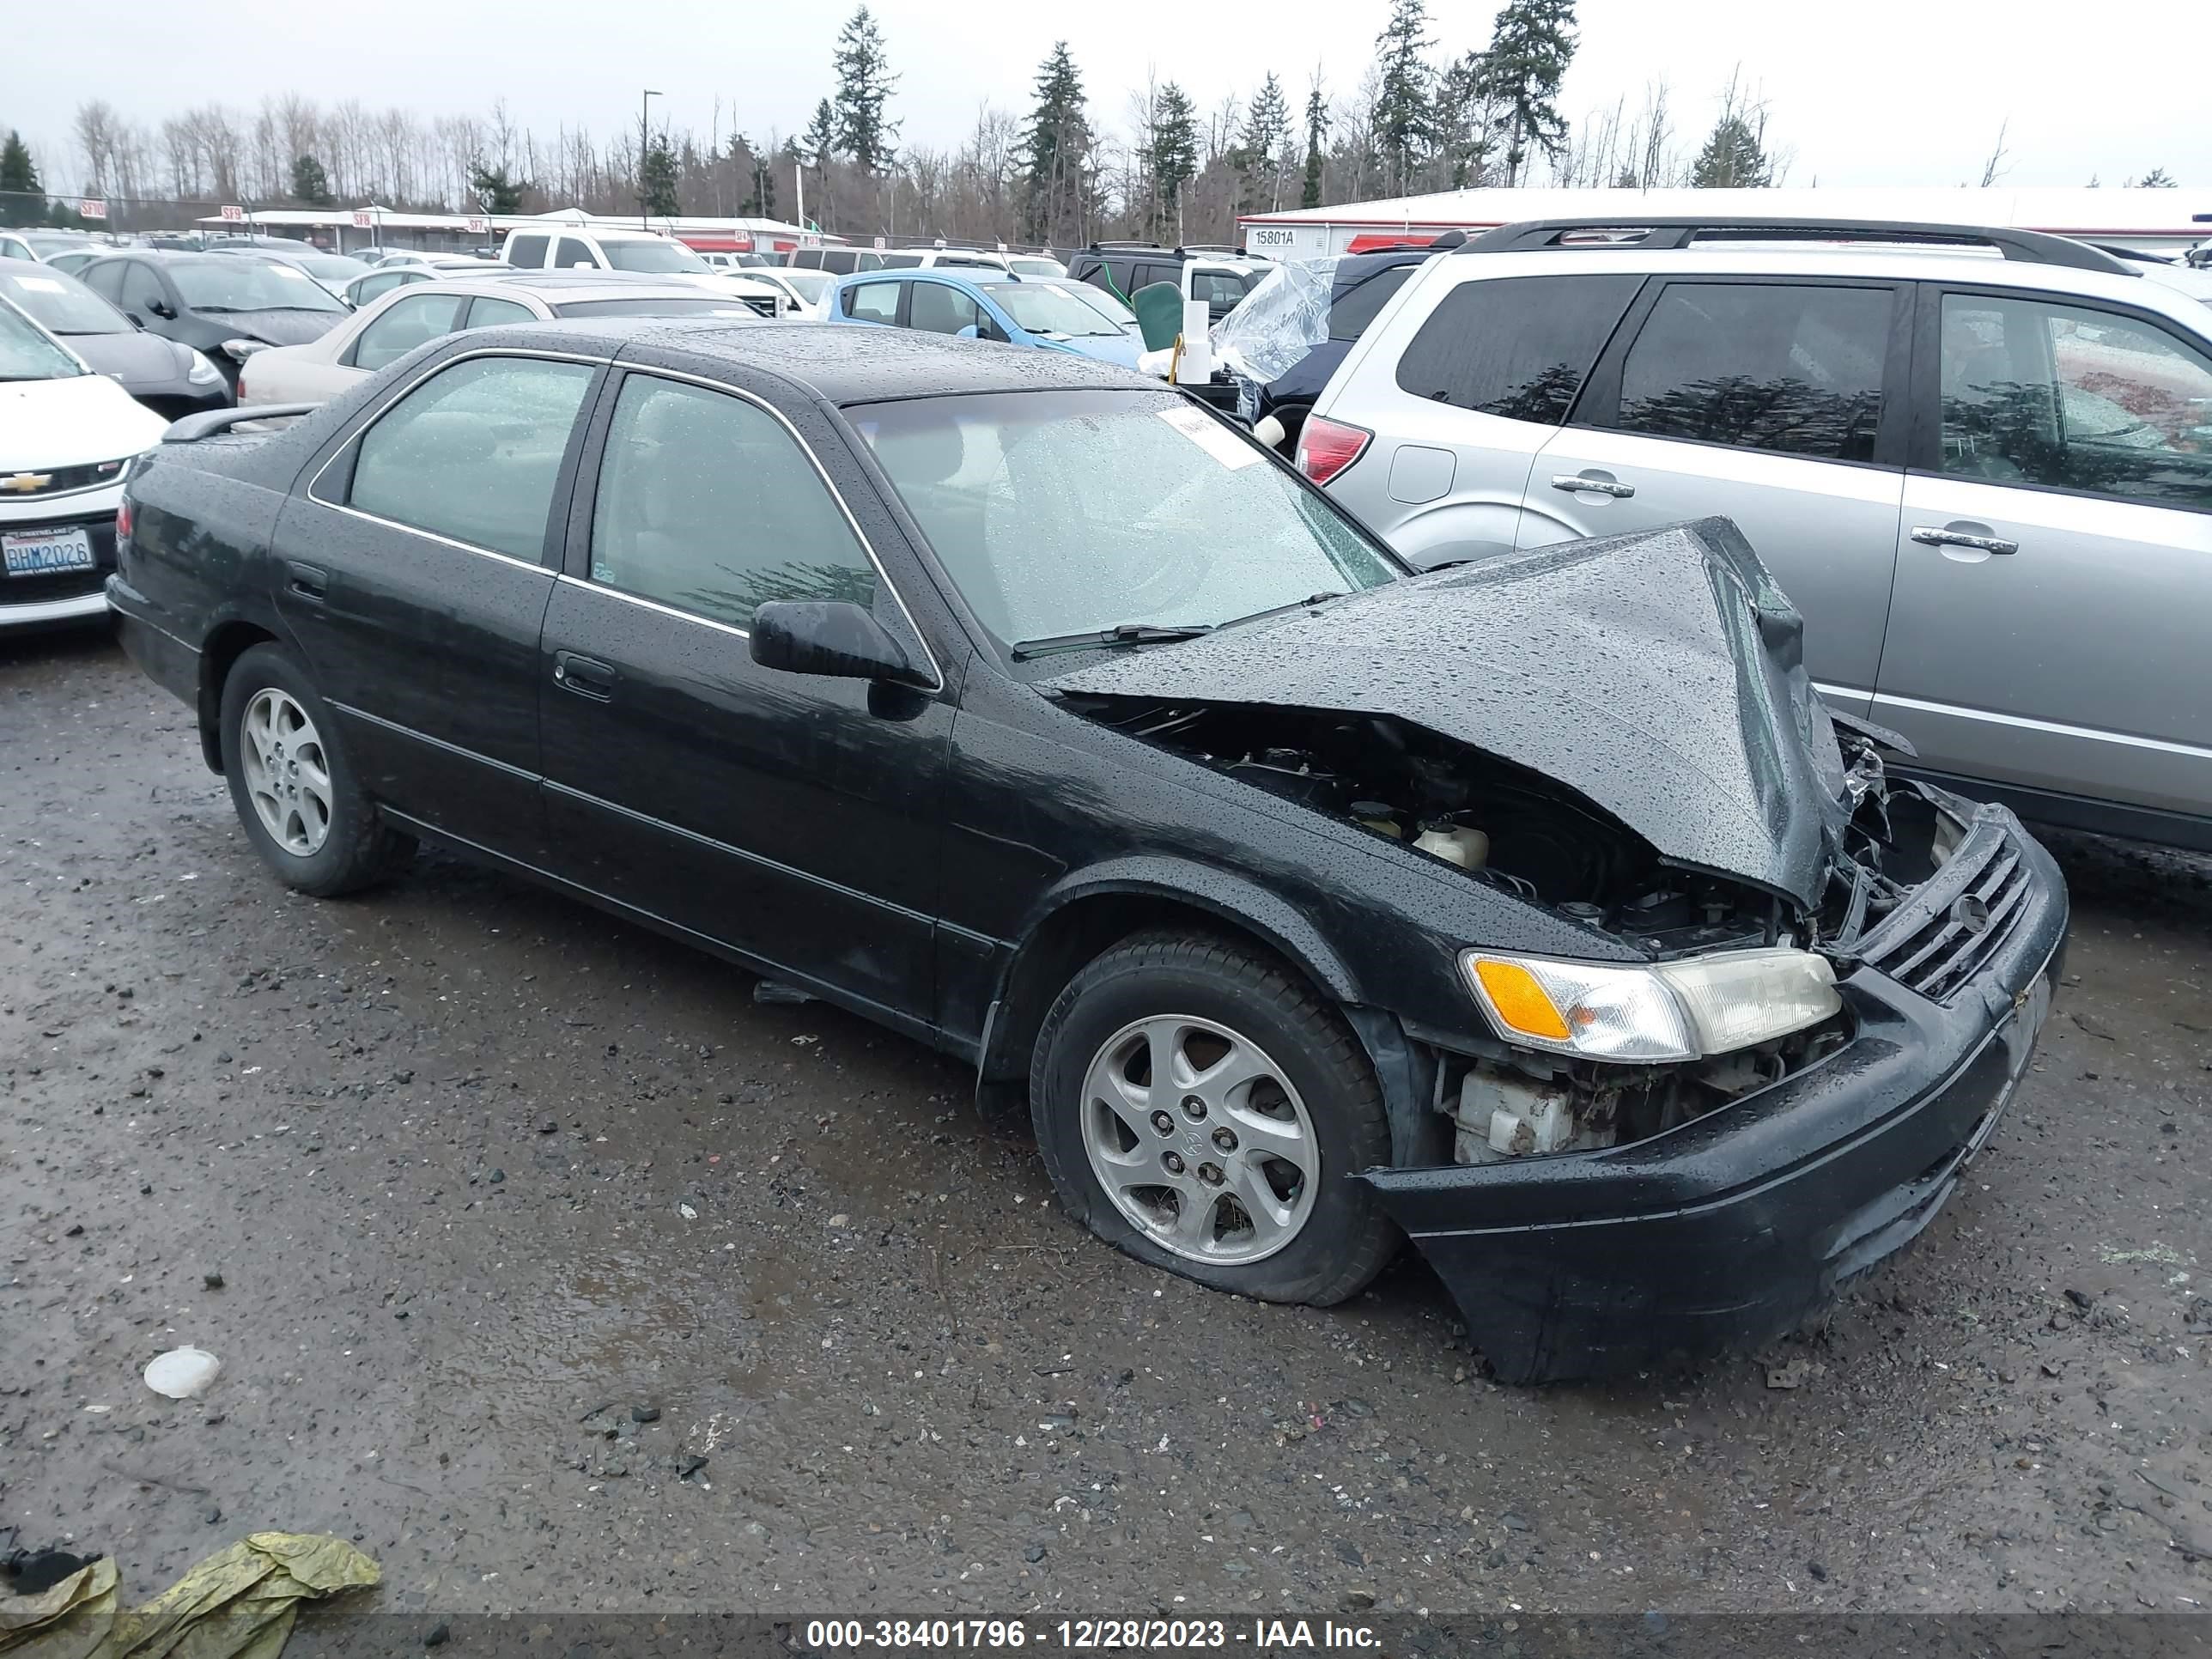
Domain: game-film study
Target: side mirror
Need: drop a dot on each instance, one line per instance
(137, 321)
(831, 638)
(162, 308)
(973, 331)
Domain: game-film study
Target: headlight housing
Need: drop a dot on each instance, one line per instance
(202, 371)
(1670, 1011)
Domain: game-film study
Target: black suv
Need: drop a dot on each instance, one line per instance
(1219, 277)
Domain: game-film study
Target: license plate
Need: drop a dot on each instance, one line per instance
(42, 552)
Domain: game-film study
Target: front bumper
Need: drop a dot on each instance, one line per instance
(62, 597)
(1728, 1230)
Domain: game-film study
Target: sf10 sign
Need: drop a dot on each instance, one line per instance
(91, 207)
(233, 214)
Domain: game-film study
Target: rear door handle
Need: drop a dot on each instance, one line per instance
(1928, 535)
(1601, 486)
(308, 581)
(586, 677)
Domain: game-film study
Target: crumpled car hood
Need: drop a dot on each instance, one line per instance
(1660, 675)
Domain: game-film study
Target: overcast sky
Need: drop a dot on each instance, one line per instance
(1880, 92)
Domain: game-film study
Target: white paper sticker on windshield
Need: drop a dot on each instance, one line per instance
(1208, 434)
(39, 284)
(290, 273)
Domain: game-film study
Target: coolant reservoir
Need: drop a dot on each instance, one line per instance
(1375, 815)
(1467, 848)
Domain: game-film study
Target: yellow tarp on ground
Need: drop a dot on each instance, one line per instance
(239, 1603)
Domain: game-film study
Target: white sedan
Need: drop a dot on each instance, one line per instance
(386, 329)
(67, 439)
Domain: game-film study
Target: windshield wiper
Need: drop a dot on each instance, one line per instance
(190, 307)
(1120, 634)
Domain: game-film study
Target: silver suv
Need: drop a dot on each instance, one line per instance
(1979, 461)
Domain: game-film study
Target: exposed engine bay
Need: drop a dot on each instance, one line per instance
(1512, 828)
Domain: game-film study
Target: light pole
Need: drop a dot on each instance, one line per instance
(643, 101)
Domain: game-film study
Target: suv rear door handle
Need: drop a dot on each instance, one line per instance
(586, 677)
(1928, 535)
(308, 580)
(1596, 484)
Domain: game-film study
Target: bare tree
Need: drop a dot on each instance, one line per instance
(1995, 168)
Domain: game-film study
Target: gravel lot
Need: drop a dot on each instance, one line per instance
(481, 1170)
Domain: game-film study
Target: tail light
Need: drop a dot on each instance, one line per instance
(1327, 447)
(123, 522)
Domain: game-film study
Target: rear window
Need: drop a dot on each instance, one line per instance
(1515, 346)
(1357, 306)
(526, 251)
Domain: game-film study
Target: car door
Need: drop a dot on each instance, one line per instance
(414, 572)
(1776, 403)
(485, 312)
(871, 302)
(574, 254)
(144, 297)
(941, 308)
(2054, 563)
(792, 819)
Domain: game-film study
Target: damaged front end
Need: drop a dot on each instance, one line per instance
(1809, 987)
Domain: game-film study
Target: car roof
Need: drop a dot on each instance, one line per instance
(846, 365)
(1882, 262)
(562, 287)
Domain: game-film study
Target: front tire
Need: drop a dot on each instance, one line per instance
(1201, 1109)
(292, 784)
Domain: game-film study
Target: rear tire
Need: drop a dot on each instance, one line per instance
(1239, 1174)
(293, 787)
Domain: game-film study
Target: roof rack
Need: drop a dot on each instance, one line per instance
(2031, 246)
(1096, 247)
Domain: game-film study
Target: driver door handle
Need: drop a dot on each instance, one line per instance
(1612, 487)
(1928, 535)
(586, 677)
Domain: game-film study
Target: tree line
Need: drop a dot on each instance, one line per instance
(1057, 173)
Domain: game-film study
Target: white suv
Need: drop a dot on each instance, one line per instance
(1979, 461)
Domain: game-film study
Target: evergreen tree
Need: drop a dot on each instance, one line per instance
(656, 180)
(1171, 159)
(1055, 154)
(1734, 158)
(817, 144)
(1462, 137)
(1530, 47)
(1259, 147)
(494, 192)
(310, 183)
(1316, 136)
(1403, 119)
(2156, 179)
(23, 198)
(864, 83)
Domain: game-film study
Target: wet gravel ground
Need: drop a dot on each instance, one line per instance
(564, 1277)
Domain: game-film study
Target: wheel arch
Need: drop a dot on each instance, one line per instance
(1089, 913)
(230, 639)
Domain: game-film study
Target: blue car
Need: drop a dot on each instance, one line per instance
(1050, 313)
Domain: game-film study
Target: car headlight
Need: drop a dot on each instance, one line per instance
(202, 371)
(1685, 1010)
(240, 350)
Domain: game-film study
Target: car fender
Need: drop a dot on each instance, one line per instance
(1452, 530)
(1234, 898)
(230, 629)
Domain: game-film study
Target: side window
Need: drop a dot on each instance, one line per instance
(569, 254)
(106, 279)
(872, 303)
(1793, 369)
(528, 252)
(411, 320)
(473, 453)
(1350, 314)
(706, 503)
(1515, 346)
(487, 313)
(1121, 274)
(141, 288)
(2037, 393)
(842, 260)
(937, 309)
(807, 259)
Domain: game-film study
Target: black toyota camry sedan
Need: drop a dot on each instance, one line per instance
(1534, 910)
